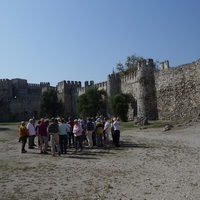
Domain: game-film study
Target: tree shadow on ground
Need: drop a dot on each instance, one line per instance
(4, 129)
(125, 144)
(89, 154)
(82, 157)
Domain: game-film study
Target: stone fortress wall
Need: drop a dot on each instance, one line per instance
(19, 99)
(165, 93)
(178, 91)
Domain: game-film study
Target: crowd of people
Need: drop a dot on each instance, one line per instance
(60, 134)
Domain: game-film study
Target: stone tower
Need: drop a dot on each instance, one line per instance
(141, 78)
(146, 95)
(113, 84)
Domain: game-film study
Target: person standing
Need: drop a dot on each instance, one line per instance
(31, 133)
(71, 135)
(35, 132)
(43, 136)
(116, 127)
(112, 131)
(77, 131)
(63, 136)
(23, 134)
(53, 130)
(99, 131)
(106, 131)
(94, 135)
(89, 131)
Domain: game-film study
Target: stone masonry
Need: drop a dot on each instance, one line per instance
(165, 93)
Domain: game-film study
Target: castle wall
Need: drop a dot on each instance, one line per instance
(67, 94)
(140, 85)
(5, 98)
(178, 91)
(167, 93)
(22, 99)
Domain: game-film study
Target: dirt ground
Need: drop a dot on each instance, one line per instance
(150, 164)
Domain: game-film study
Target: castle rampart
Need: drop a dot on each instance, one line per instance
(164, 65)
(164, 93)
(178, 91)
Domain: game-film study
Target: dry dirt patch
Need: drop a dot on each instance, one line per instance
(149, 164)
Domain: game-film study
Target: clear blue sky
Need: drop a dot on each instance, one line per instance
(83, 40)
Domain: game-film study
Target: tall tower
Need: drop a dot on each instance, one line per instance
(141, 79)
(146, 96)
(113, 84)
(113, 88)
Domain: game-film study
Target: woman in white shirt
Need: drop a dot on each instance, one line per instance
(77, 130)
(116, 127)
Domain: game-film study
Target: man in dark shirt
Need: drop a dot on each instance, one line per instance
(53, 129)
(71, 135)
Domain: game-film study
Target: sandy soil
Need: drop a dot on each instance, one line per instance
(149, 165)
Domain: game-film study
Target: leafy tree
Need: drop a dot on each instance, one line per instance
(49, 105)
(130, 65)
(92, 103)
(120, 105)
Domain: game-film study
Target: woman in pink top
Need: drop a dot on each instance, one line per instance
(77, 131)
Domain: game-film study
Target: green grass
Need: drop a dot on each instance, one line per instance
(152, 124)
(9, 123)
(3, 140)
(155, 123)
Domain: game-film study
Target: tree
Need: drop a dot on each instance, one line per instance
(92, 103)
(49, 105)
(130, 65)
(120, 104)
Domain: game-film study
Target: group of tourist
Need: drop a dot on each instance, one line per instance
(64, 134)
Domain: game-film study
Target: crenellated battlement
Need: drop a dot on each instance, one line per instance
(87, 84)
(143, 69)
(164, 65)
(113, 76)
(141, 65)
(101, 85)
(34, 85)
(70, 84)
(5, 83)
(129, 77)
(45, 84)
(157, 93)
(81, 90)
(4, 80)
